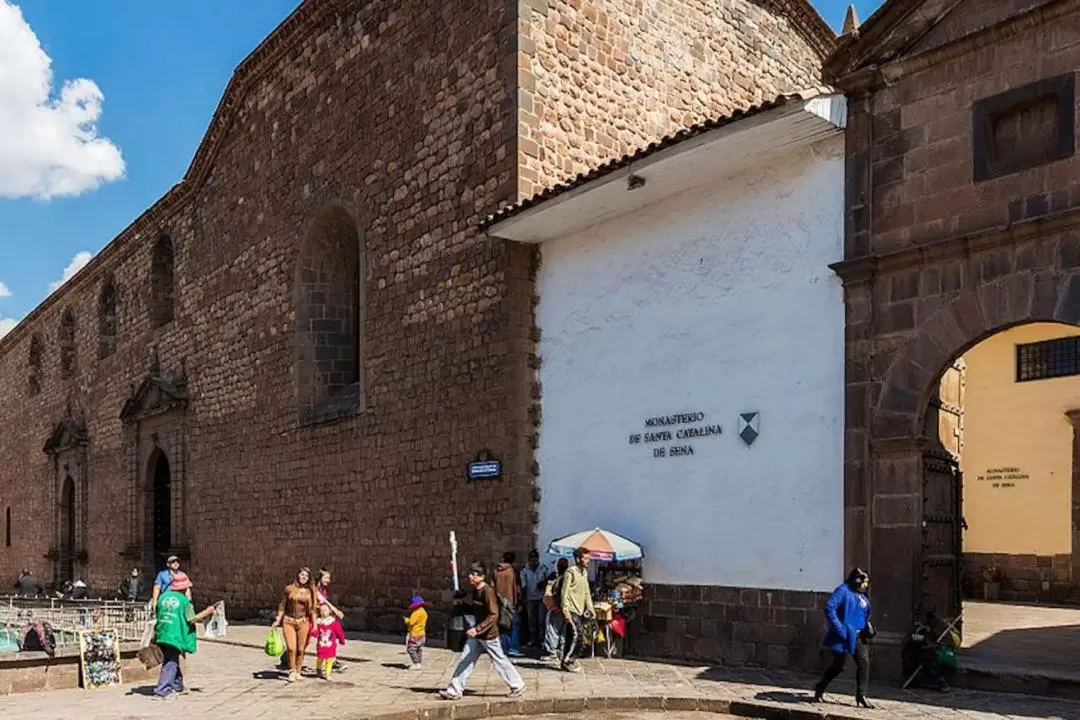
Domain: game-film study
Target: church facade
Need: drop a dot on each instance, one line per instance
(291, 358)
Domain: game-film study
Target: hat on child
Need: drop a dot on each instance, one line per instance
(416, 602)
(180, 582)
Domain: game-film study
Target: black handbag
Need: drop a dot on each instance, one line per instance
(868, 633)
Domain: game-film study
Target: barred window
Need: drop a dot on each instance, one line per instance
(1048, 359)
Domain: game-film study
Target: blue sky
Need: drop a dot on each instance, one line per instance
(153, 73)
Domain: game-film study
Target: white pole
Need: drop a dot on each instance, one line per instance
(453, 559)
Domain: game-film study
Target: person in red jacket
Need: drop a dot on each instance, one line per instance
(329, 634)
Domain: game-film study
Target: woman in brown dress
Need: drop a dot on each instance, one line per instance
(296, 615)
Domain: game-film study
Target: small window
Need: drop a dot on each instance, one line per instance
(1048, 359)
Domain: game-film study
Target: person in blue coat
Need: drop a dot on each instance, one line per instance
(848, 613)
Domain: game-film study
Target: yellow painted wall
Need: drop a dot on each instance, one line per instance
(1023, 426)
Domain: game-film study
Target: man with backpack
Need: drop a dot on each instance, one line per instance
(553, 627)
(575, 600)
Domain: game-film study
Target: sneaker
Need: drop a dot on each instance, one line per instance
(572, 668)
(517, 692)
(515, 653)
(416, 666)
(547, 657)
(448, 695)
(293, 677)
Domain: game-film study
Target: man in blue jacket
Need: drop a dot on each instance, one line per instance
(848, 613)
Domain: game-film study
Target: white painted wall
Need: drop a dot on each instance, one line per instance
(719, 300)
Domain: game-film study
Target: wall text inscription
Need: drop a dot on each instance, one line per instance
(666, 429)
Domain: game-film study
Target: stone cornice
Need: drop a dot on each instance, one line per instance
(868, 74)
(863, 269)
(813, 28)
(300, 23)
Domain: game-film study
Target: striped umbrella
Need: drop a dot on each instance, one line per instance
(601, 544)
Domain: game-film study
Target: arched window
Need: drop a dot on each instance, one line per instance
(34, 362)
(162, 282)
(107, 320)
(330, 318)
(67, 343)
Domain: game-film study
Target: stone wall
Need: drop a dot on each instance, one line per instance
(399, 117)
(1024, 578)
(732, 626)
(951, 235)
(601, 78)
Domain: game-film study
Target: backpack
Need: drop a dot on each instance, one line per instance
(506, 615)
(40, 637)
(552, 598)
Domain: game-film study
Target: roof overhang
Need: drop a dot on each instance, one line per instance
(705, 158)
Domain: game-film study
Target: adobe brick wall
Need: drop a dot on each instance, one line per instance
(731, 626)
(601, 78)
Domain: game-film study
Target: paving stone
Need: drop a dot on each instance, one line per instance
(238, 681)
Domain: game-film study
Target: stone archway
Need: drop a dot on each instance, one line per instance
(908, 316)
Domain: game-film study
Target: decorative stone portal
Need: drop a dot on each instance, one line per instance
(155, 417)
(68, 494)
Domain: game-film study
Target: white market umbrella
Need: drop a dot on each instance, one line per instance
(601, 544)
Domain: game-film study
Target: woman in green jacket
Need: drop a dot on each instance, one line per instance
(175, 633)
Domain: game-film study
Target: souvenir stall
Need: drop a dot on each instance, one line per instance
(616, 583)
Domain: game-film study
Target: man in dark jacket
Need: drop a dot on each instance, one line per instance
(131, 586)
(508, 589)
(27, 585)
(483, 638)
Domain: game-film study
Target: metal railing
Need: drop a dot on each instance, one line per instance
(70, 617)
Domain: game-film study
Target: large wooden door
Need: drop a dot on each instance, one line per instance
(67, 531)
(942, 534)
(161, 508)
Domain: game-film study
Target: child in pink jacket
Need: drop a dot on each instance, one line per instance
(328, 634)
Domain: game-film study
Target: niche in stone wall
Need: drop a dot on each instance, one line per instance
(162, 282)
(107, 318)
(1024, 127)
(68, 353)
(330, 306)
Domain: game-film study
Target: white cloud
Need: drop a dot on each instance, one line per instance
(4, 291)
(49, 145)
(7, 325)
(77, 263)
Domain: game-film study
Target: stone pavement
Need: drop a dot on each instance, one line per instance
(237, 680)
(1022, 639)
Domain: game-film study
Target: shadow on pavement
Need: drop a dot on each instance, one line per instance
(269, 675)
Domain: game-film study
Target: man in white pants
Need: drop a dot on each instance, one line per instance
(483, 638)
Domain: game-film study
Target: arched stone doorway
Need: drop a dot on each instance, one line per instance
(68, 530)
(161, 506)
(906, 326)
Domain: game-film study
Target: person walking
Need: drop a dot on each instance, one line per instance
(575, 599)
(416, 632)
(175, 633)
(296, 616)
(533, 583)
(509, 594)
(164, 579)
(848, 615)
(483, 638)
(553, 623)
(130, 587)
(329, 634)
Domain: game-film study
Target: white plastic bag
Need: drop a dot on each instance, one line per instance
(218, 625)
(148, 634)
